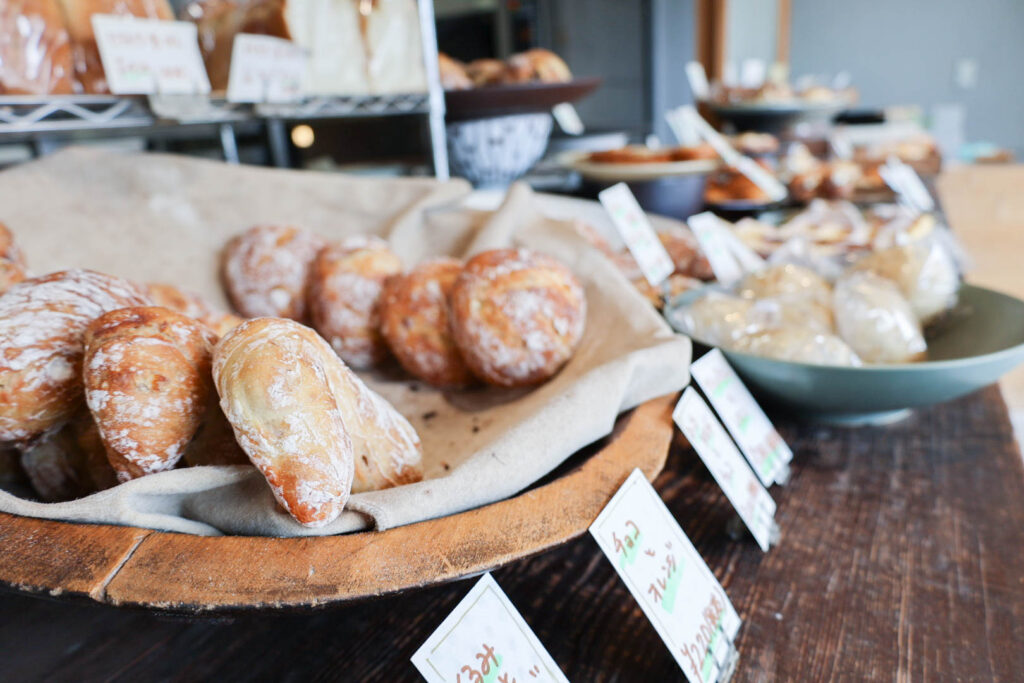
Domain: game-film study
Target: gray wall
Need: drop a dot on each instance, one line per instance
(673, 44)
(904, 52)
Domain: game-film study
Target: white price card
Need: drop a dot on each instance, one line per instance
(568, 119)
(708, 230)
(907, 184)
(667, 576)
(150, 56)
(757, 437)
(265, 69)
(638, 234)
(707, 436)
(485, 639)
(698, 79)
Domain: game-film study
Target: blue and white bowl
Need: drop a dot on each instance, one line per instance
(496, 151)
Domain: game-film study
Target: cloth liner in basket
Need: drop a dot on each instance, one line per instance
(157, 218)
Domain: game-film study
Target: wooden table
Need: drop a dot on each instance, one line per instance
(902, 557)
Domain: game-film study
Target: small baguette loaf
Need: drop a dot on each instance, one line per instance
(273, 379)
(42, 322)
(148, 383)
(194, 306)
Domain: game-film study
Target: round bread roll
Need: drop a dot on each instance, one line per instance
(786, 280)
(453, 73)
(800, 345)
(272, 377)
(486, 71)
(517, 316)
(42, 322)
(192, 305)
(414, 321)
(265, 270)
(8, 249)
(147, 383)
(345, 284)
(11, 273)
(69, 462)
(386, 448)
(537, 64)
(874, 318)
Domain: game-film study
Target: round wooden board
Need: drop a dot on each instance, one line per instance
(193, 574)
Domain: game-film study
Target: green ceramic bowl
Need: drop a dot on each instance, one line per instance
(982, 341)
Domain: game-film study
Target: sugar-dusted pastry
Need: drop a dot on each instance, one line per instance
(192, 305)
(274, 378)
(786, 280)
(11, 273)
(214, 442)
(517, 316)
(386, 448)
(874, 318)
(147, 383)
(69, 462)
(345, 283)
(42, 323)
(8, 249)
(414, 321)
(266, 268)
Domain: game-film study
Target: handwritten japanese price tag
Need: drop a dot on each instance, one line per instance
(636, 231)
(485, 640)
(667, 576)
(265, 69)
(707, 436)
(767, 453)
(150, 56)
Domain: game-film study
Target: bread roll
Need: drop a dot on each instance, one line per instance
(874, 318)
(265, 270)
(414, 321)
(715, 319)
(42, 323)
(537, 64)
(35, 50)
(387, 449)
(517, 316)
(8, 249)
(800, 345)
(147, 382)
(486, 71)
(453, 73)
(85, 54)
(274, 378)
(786, 280)
(214, 443)
(345, 283)
(69, 462)
(194, 306)
(11, 273)
(924, 271)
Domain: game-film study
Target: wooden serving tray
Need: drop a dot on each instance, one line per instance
(184, 573)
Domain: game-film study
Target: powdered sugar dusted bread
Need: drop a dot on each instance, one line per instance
(148, 384)
(8, 249)
(414, 321)
(11, 273)
(517, 316)
(42, 322)
(344, 289)
(265, 270)
(387, 449)
(192, 305)
(273, 379)
(69, 462)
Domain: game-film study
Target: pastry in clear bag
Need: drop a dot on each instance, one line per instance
(786, 279)
(715, 319)
(799, 345)
(874, 318)
(925, 272)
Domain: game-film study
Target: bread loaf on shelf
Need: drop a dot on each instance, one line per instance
(35, 49)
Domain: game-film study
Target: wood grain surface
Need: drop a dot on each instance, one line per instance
(902, 558)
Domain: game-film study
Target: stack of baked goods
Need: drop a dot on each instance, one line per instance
(533, 66)
(103, 380)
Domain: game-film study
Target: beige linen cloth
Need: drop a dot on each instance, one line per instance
(156, 218)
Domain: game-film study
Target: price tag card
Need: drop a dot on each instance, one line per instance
(265, 69)
(707, 436)
(670, 580)
(907, 184)
(150, 56)
(636, 231)
(568, 119)
(698, 79)
(485, 639)
(766, 452)
(707, 229)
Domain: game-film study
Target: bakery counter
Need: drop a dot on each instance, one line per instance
(901, 553)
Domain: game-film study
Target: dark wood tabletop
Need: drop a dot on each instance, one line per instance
(901, 558)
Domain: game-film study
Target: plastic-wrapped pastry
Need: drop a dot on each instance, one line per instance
(786, 279)
(715, 319)
(924, 271)
(876, 321)
(791, 311)
(800, 345)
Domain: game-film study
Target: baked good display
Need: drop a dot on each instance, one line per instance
(266, 269)
(345, 282)
(88, 68)
(69, 462)
(11, 273)
(8, 248)
(532, 66)
(517, 316)
(730, 185)
(631, 154)
(755, 144)
(415, 323)
(192, 305)
(147, 382)
(699, 152)
(786, 280)
(42, 324)
(273, 378)
(214, 442)
(800, 345)
(453, 73)
(926, 274)
(876, 321)
(537, 64)
(35, 49)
